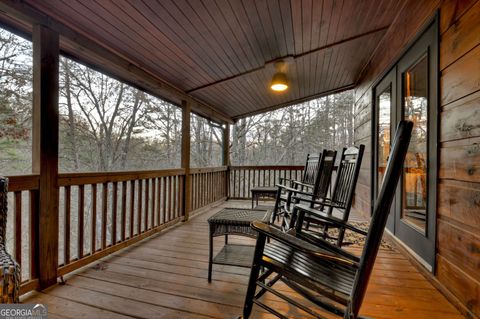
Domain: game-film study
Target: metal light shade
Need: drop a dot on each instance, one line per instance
(279, 82)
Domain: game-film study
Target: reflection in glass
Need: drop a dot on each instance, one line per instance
(415, 99)
(384, 106)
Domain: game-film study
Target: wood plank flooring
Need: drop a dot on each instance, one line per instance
(166, 277)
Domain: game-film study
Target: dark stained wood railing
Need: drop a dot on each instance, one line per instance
(208, 185)
(243, 178)
(100, 213)
(22, 225)
(110, 211)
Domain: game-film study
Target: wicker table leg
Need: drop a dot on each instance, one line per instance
(210, 254)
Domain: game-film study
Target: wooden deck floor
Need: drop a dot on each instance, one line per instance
(165, 277)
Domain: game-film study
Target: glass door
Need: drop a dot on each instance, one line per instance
(416, 200)
(409, 91)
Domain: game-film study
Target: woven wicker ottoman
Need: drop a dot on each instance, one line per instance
(234, 221)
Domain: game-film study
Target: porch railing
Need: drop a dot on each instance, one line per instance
(243, 178)
(21, 227)
(103, 212)
(208, 185)
(100, 213)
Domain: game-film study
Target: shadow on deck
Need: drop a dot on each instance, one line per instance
(166, 277)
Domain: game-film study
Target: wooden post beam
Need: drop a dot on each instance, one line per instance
(187, 187)
(226, 156)
(45, 149)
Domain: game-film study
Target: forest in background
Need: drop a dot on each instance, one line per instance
(107, 125)
(287, 135)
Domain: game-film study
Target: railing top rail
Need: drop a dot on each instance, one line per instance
(67, 179)
(198, 170)
(23, 182)
(265, 167)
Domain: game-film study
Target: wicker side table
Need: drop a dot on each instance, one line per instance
(263, 191)
(233, 221)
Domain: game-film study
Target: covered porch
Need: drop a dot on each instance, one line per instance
(166, 276)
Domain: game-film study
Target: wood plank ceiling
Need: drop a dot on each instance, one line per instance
(220, 52)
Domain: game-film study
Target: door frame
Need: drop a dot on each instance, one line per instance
(388, 80)
(432, 29)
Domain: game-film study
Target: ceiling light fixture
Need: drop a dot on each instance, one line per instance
(279, 80)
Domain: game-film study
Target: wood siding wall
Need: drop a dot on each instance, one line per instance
(458, 210)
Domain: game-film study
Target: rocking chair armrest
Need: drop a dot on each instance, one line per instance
(303, 184)
(297, 192)
(331, 219)
(300, 244)
(286, 188)
(310, 200)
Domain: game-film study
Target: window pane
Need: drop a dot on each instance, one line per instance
(415, 84)
(384, 117)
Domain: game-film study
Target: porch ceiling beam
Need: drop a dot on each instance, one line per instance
(131, 73)
(297, 101)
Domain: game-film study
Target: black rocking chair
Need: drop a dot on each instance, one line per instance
(309, 177)
(341, 199)
(317, 191)
(330, 277)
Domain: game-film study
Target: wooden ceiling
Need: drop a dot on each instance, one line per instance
(220, 52)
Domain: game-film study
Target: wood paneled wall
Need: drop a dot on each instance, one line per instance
(458, 210)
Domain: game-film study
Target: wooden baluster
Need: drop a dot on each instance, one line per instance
(199, 189)
(207, 182)
(179, 196)
(132, 207)
(104, 214)
(210, 188)
(170, 198)
(234, 183)
(93, 239)
(18, 226)
(154, 195)
(159, 189)
(66, 239)
(81, 215)
(114, 212)
(139, 208)
(242, 187)
(164, 200)
(33, 234)
(193, 189)
(174, 193)
(147, 200)
(124, 210)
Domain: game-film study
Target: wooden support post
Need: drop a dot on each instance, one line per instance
(226, 156)
(45, 149)
(187, 187)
